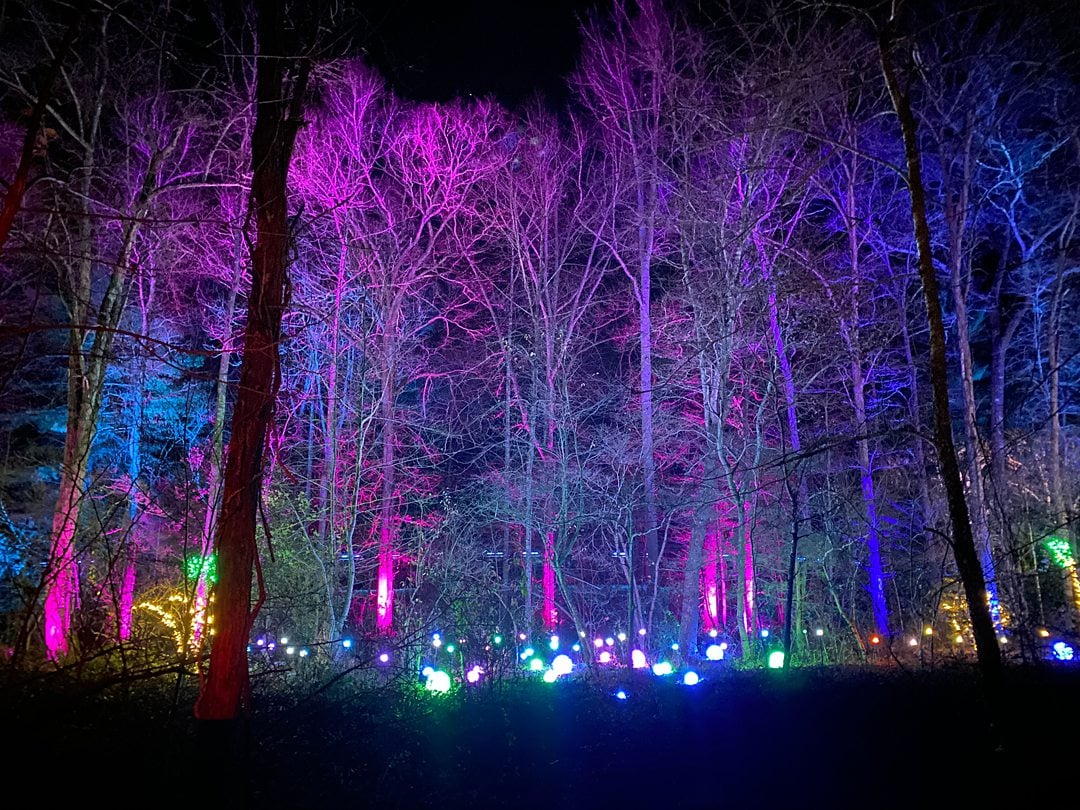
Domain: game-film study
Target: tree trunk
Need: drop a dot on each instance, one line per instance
(967, 558)
(277, 121)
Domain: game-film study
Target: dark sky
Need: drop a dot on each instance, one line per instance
(506, 48)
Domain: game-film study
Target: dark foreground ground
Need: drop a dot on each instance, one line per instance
(863, 738)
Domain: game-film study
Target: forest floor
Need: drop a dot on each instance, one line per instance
(807, 738)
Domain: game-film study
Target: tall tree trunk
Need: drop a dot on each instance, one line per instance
(967, 558)
(276, 124)
(86, 383)
(384, 619)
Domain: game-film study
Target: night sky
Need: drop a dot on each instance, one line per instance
(512, 50)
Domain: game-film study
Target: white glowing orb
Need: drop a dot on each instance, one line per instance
(641, 632)
(439, 682)
(473, 675)
(598, 642)
(764, 633)
(691, 678)
(637, 659)
(550, 676)
(290, 650)
(605, 657)
(554, 643)
(913, 642)
(776, 659)
(662, 668)
(621, 637)
(562, 665)
(576, 648)
(819, 632)
(714, 652)
(346, 643)
(521, 636)
(675, 647)
(712, 633)
(609, 641)
(621, 695)
(284, 639)
(436, 643)
(497, 639)
(426, 671)
(384, 657)
(536, 665)
(261, 642)
(303, 653)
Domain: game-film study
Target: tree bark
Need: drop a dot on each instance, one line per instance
(277, 121)
(967, 558)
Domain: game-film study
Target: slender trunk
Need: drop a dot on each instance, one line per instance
(277, 121)
(86, 383)
(646, 238)
(967, 558)
(387, 510)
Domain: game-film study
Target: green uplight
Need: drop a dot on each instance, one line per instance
(1060, 551)
(776, 659)
(196, 566)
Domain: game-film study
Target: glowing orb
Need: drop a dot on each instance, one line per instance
(875, 639)
(528, 653)
(1063, 651)
(691, 678)
(714, 652)
(449, 648)
(776, 659)
(438, 682)
(550, 676)
(1044, 633)
(598, 642)
(384, 657)
(436, 642)
(576, 648)
(764, 633)
(641, 632)
(819, 632)
(959, 639)
(284, 639)
(609, 641)
(303, 653)
(605, 657)
(712, 633)
(637, 658)
(521, 636)
(497, 639)
(473, 675)
(929, 631)
(913, 642)
(426, 671)
(621, 695)
(554, 643)
(536, 665)
(662, 668)
(675, 647)
(621, 637)
(290, 650)
(346, 643)
(562, 665)
(261, 642)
